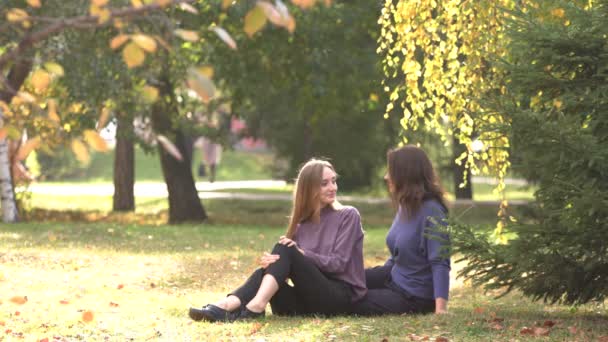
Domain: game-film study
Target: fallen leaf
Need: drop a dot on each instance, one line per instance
(548, 323)
(479, 310)
(120, 286)
(64, 302)
(526, 331)
(19, 300)
(17, 313)
(602, 339)
(255, 328)
(114, 305)
(540, 331)
(87, 316)
(441, 339)
(497, 326)
(46, 339)
(573, 330)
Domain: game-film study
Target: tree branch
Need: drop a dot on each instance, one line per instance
(81, 22)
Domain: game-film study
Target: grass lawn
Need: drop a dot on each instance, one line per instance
(118, 282)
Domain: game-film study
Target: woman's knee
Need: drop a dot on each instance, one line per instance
(281, 249)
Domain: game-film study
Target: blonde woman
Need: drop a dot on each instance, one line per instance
(321, 252)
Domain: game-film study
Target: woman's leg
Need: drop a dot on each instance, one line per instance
(243, 294)
(387, 300)
(315, 292)
(376, 277)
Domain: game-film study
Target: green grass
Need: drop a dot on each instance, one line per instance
(139, 280)
(234, 165)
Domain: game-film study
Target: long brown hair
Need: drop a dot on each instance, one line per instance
(414, 180)
(306, 194)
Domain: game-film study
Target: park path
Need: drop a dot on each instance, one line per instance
(221, 190)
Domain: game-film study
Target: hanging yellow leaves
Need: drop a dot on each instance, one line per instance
(136, 3)
(95, 141)
(226, 3)
(558, 12)
(255, 20)
(133, 55)
(187, 35)
(99, 3)
(80, 151)
(304, 4)
(145, 42)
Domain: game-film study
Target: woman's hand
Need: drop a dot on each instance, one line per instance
(268, 259)
(283, 240)
(441, 306)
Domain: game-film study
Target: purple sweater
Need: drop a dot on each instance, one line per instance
(335, 245)
(419, 265)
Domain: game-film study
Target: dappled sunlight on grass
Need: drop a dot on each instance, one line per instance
(117, 282)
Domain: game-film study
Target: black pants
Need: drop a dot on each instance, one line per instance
(312, 292)
(385, 297)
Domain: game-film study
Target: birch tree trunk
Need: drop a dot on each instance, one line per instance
(9, 206)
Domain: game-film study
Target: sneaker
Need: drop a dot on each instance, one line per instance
(248, 314)
(212, 313)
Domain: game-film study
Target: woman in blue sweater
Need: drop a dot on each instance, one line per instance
(415, 279)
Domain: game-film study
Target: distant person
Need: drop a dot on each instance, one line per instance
(416, 276)
(211, 154)
(321, 252)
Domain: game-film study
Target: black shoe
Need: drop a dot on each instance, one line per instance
(248, 314)
(212, 313)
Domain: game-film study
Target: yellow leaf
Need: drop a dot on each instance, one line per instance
(19, 300)
(255, 20)
(271, 13)
(103, 118)
(99, 3)
(16, 14)
(95, 141)
(163, 3)
(28, 147)
(304, 4)
(40, 80)
(34, 3)
(169, 147)
(290, 25)
(102, 14)
(150, 93)
(225, 36)
(52, 110)
(133, 55)
(201, 84)
(186, 35)
(557, 103)
(117, 41)
(80, 151)
(3, 132)
(206, 70)
(226, 3)
(87, 316)
(145, 42)
(136, 3)
(558, 12)
(25, 96)
(188, 8)
(54, 68)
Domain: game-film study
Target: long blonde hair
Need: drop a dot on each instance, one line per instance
(306, 194)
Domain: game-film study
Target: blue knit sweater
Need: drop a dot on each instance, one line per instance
(419, 261)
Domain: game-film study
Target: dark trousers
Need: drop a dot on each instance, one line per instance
(313, 292)
(385, 297)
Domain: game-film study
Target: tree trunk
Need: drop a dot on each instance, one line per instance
(9, 205)
(124, 165)
(184, 203)
(16, 77)
(459, 172)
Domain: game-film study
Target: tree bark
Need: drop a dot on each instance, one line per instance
(124, 165)
(459, 172)
(15, 79)
(184, 203)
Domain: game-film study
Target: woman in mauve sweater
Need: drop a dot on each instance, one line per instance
(322, 254)
(416, 277)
